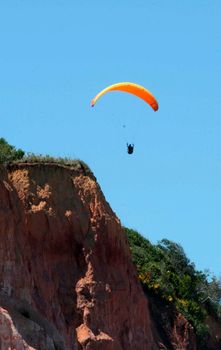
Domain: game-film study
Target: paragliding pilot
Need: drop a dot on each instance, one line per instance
(130, 148)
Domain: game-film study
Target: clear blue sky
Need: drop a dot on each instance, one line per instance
(56, 55)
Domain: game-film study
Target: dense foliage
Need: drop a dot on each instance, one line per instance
(8, 152)
(166, 272)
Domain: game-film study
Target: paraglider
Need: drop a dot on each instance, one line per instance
(130, 148)
(133, 89)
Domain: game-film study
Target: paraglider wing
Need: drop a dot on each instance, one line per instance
(131, 88)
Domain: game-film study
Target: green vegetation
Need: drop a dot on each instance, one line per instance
(166, 272)
(8, 153)
(39, 158)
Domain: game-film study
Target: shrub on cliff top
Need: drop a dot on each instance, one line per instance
(44, 159)
(8, 152)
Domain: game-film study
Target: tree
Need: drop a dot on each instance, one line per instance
(8, 152)
(165, 271)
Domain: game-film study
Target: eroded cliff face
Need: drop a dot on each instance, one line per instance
(66, 277)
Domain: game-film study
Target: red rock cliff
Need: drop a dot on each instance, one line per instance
(67, 280)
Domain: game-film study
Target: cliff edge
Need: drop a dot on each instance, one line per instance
(67, 281)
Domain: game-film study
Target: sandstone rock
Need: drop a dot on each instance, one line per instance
(66, 277)
(67, 281)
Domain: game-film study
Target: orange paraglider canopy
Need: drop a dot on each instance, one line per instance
(131, 88)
